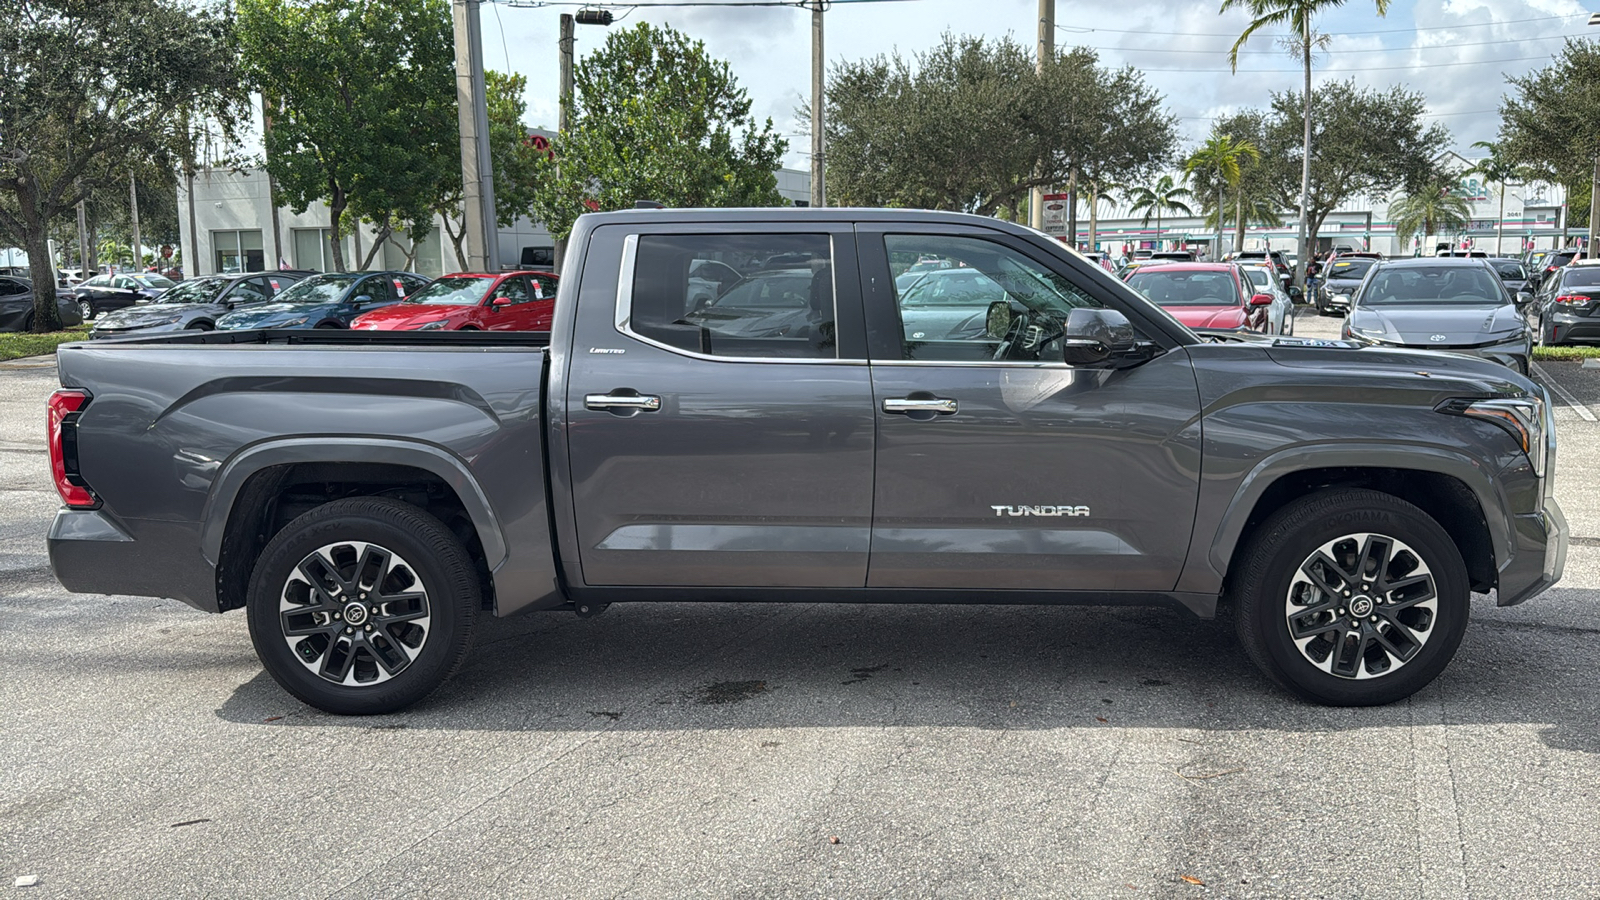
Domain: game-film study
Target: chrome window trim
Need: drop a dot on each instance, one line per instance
(624, 312)
(976, 363)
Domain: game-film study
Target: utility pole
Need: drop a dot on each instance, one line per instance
(566, 46)
(819, 143)
(272, 186)
(133, 209)
(1047, 51)
(1594, 209)
(477, 172)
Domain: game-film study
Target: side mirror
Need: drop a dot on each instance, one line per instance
(997, 324)
(1093, 336)
(1296, 294)
(498, 302)
(1261, 300)
(1524, 298)
(362, 300)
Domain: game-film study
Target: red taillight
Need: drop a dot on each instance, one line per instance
(1575, 300)
(63, 439)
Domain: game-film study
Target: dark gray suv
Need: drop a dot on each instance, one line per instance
(1456, 304)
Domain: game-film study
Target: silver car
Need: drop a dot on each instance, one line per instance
(1442, 303)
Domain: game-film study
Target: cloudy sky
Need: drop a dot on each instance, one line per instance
(1457, 53)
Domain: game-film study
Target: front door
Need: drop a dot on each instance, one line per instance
(720, 433)
(997, 467)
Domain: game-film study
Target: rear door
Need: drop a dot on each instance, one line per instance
(720, 444)
(999, 467)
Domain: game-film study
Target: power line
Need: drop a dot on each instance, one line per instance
(1475, 62)
(1232, 34)
(1549, 37)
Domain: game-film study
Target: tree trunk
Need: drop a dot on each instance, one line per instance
(42, 269)
(1072, 210)
(1239, 213)
(377, 242)
(1158, 226)
(457, 240)
(336, 209)
(1094, 216)
(1219, 216)
(1500, 223)
(1305, 161)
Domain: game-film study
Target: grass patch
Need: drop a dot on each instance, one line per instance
(15, 345)
(1564, 354)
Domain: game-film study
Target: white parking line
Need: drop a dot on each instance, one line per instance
(1577, 405)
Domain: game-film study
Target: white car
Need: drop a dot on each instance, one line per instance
(1280, 315)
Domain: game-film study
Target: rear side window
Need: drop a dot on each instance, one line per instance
(736, 295)
(1587, 276)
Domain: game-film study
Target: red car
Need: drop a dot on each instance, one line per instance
(1204, 295)
(471, 301)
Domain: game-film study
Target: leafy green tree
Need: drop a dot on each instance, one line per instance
(971, 125)
(1369, 142)
(1437, 207)
(1164, 196)
(1551, 124)
(365, 109)
(86, 94)
(654, 116)
(1298, 16)
(1221, 159)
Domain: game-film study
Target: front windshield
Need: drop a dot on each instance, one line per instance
(1432, 286)
(950, 287)
(461, 290)
(781, 289)
(197, 290)
(318, 289)
(1186, 288)
(1350, 269)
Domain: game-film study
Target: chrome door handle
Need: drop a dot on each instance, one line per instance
(634, 402)
(914, 405)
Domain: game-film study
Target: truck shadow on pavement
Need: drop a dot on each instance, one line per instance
(771, 666)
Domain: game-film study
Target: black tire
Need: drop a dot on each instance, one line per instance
(199, 326)
(379, 670)
(1272, 573)
(1545, 337)
(329, 325)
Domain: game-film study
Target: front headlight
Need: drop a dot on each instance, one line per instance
(1362, 335)
(1524, 418)
(432, 326)
(292, 323)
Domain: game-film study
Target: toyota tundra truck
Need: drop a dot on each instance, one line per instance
(812, 405)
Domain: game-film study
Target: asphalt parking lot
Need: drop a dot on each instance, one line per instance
(702, 750)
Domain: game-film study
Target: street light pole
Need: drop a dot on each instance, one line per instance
(133, 208)
(819, 143)
(477, 171)
(1047, 50)
(1594, 207)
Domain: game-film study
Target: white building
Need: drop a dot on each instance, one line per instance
(1535, 216)
(234, 227)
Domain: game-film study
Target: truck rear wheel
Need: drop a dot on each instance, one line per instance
(1351, 598)
(363, 606)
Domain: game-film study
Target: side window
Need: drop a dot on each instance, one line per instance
(544, 287)
(513, 289)
(250, 290)
(737, 295)
(9, 287)
(410, 284)
(125, 284)
(377, 287)
(966, 299)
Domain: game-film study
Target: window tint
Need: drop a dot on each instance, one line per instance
(965, 299)
(737, 295)
(1354, 269)
(1587, 276)
(1511, 271)
(544, 287)
(514, 290)
(1433, 285)
(410, 284)
(1260, 277)
(250, 290)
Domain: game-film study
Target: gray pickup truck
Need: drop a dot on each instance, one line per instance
(738, 405)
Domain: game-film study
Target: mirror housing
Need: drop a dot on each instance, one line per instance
(1261, 300)
(997, 322)
(1093, 336)
(1296, 294)
(1523, 298)
(497, 302)
(362, 300)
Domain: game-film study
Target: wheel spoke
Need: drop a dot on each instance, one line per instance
(354, 613)
(337, 660)
(1308, 569)
(1374, 558)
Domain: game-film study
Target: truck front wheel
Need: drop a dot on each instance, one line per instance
(1351, 598)
(363, 606)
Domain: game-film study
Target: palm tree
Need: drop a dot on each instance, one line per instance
(1498, 169)
(1222, 155)
(1436, 208)
(1298, 15)
(1165, 195)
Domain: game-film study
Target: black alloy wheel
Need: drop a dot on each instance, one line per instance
(1350, 597)
(363, 606)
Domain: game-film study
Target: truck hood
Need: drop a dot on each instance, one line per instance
(1438, 326)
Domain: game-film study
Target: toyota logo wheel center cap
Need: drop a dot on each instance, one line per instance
(1361, 607)
(355, 614)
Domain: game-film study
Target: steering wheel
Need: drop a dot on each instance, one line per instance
(1030, 331)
